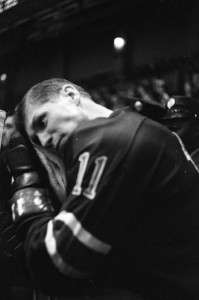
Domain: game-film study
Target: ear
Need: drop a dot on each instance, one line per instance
(71, 92)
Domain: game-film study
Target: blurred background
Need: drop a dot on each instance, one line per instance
(137, 48)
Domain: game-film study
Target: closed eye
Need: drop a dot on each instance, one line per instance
(40, 123)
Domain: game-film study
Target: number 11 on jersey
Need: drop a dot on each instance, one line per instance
(90, 191)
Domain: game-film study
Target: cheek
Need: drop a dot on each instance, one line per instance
(58, 125)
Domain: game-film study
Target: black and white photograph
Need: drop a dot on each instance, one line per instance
(99, 150)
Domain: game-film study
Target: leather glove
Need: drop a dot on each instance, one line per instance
(29, 196)
(12, 258)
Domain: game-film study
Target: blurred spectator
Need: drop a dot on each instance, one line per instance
(188, 88)
(9, 128)
(195, 85)
(143, 92)
(148, 108)
(182, 117)
(159, 91)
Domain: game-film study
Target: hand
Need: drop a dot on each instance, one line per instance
(29, 196)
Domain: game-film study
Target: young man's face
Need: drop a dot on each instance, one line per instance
(52, 122)
(9, 128)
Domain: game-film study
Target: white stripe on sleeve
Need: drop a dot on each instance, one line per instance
(82, 234)
(62, 266)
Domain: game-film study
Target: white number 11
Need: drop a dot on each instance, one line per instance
(90, 191)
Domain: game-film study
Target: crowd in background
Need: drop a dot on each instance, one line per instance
(111, 90)
(151, 83)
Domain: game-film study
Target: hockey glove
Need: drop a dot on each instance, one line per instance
(29, 195)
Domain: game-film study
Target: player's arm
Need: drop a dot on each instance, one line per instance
(74, 243)
(56, 246)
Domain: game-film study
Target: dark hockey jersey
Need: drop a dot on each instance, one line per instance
(131, 216)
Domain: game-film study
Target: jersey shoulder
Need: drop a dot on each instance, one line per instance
(111, 136)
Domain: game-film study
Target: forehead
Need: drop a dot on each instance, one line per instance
(34, 111)
(31, 113)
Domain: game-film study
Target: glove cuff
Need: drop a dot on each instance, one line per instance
(25, 180)
(28, 202)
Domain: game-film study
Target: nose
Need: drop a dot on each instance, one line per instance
(45, 140)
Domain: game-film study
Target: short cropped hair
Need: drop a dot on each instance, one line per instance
(41, 93)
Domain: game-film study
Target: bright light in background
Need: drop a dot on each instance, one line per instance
(6, 4)
(3, 77)
(119, 43)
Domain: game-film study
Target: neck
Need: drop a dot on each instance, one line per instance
(95, 110)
